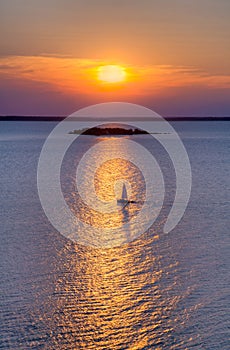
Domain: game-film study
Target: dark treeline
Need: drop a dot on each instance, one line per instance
(109, 131)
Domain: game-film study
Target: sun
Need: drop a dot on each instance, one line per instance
(111, 74)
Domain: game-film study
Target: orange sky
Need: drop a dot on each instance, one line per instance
(168, 49)
(80, 75)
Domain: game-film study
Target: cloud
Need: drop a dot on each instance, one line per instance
(76, 75)
(60, 85)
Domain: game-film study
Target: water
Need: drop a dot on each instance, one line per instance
(158, 292)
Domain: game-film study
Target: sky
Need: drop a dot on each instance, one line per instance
(176, 54)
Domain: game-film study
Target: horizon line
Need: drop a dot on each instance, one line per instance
(62, 117)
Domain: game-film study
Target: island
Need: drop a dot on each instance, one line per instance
(109, 131)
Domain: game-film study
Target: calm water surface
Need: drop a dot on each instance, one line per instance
(158, 292)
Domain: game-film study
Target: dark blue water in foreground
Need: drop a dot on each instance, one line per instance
(157, 292)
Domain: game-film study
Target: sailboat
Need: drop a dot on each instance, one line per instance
(124, 196)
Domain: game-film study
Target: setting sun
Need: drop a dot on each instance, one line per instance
(111, 74)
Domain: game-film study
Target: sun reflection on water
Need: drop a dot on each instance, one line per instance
(108, 181)
(120, 298)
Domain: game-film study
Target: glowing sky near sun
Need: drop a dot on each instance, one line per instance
(173, 55)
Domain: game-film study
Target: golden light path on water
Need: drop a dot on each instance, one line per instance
(104, 172)
(120, 298)
(112, 172)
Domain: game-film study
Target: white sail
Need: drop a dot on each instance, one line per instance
(124, 196)
(124, 193)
